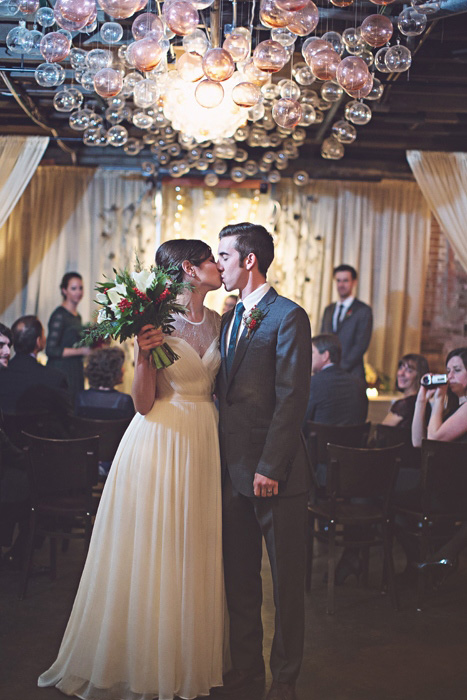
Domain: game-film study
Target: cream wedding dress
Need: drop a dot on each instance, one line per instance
(148, 617)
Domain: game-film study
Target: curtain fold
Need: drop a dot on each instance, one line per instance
(442, 177)
(19, 158)
(382, 229)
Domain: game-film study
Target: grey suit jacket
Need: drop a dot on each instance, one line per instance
(262, 401)
(354, 333)
(336, 397)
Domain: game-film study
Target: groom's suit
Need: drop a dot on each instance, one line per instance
(262, 403)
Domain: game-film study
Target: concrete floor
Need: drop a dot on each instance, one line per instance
(366, 651)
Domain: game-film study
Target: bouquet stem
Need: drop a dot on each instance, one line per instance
(163, 356)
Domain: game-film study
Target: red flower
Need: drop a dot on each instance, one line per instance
(124, 304)
(141, 295)
(164, 295)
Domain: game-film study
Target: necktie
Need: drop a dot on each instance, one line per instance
(340, 316)
(239, 309)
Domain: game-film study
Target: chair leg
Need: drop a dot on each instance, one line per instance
(389, 564)
(27, 563)
(365, 565)
(309, 551)
(331, 565)
(53, 558)
(421, 573)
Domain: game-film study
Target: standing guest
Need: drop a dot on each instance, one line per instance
(336, 397)
(65, 329)
(102, 401)
(263, 389)
(5, 345)
(350, 319)
(229, 303)
(26, 385)
(410, 370)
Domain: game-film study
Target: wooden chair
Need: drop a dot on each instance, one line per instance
(409, 472)
(356, 473)
(110, 433)
(441, 503)
(320, 434)
(62, 474)
(14, 424)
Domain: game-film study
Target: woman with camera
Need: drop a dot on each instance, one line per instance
(447, 426)
(444, 425)
(410, 370)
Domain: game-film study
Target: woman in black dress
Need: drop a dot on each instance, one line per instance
(64, 334)
(409, 372)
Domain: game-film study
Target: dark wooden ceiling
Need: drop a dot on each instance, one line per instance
(425, 108)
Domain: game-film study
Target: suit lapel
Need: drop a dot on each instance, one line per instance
(244, 342)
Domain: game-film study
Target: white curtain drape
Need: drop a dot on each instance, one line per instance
(19, 158)
(382, 229)
(442, 177)
(77, 219)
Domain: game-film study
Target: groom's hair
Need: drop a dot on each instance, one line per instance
(251, 238)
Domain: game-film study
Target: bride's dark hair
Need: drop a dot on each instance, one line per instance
(172, 254)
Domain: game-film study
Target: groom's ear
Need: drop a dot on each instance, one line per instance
(250, 261)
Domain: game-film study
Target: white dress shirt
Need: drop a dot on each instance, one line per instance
(249, 302)
(340, 312)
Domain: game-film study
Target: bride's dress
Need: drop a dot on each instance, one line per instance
(149, 613)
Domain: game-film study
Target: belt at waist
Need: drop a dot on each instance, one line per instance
(186, 398)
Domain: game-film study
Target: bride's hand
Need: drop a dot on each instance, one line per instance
(149, 338)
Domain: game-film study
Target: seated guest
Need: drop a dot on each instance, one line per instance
(102, 401)
(336, 397)
(5, 345)
(229, 303)
(447, 425)
(27, 386)
(14, 502)
(410, 370)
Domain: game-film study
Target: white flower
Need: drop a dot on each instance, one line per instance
(120, 289)
(102, 299)
(141, 279)
(116, 311)
(150, 280)
(114, 296)
(102, 315)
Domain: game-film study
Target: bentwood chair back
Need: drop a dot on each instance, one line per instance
(359, 487)
(62, 474)
(110, 433)
(440, 504)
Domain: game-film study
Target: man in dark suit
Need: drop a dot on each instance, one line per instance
(5, 346)
(351, 319)
(336, 397)
(263, 390)
(27, 386)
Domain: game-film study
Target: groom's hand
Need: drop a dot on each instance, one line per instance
(264, 487)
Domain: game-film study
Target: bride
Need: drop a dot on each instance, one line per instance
(149, 613)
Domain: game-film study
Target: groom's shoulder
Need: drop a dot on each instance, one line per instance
(286, 304)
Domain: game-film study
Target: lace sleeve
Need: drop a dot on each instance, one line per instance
(54, 347)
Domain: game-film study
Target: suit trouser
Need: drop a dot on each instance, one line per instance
(282, 522)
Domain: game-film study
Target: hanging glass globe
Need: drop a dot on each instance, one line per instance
(398, 59)
(196, 42)
(49, 75)
(145, 92)
(35, 38)
(344, 132)
(79, 120)
(95, 136)
(97, 59)
(18, 40)
(376, 91)
(332, 149)
(336, 41)
(301, 178)
(45, 16)
(331, 91)
(64, 101)
(308, 115)
(357, 112)
(427, 8)
(132, 146)
(283, 36)
(211, 180)
(289, 89)
(142, 119)
(117, 136)
(111, 32)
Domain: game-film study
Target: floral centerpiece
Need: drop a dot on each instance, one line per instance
(133, 300)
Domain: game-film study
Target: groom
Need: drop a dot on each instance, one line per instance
(262, 387)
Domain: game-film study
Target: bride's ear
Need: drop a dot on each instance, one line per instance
(187, 268)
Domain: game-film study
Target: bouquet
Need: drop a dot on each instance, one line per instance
(134, 299)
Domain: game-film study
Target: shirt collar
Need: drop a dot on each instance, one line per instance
(347, 302)
(255, 297)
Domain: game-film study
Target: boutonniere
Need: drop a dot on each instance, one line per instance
(349, 313)
(253, 320)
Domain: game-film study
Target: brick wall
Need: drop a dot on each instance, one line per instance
(445, 309)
